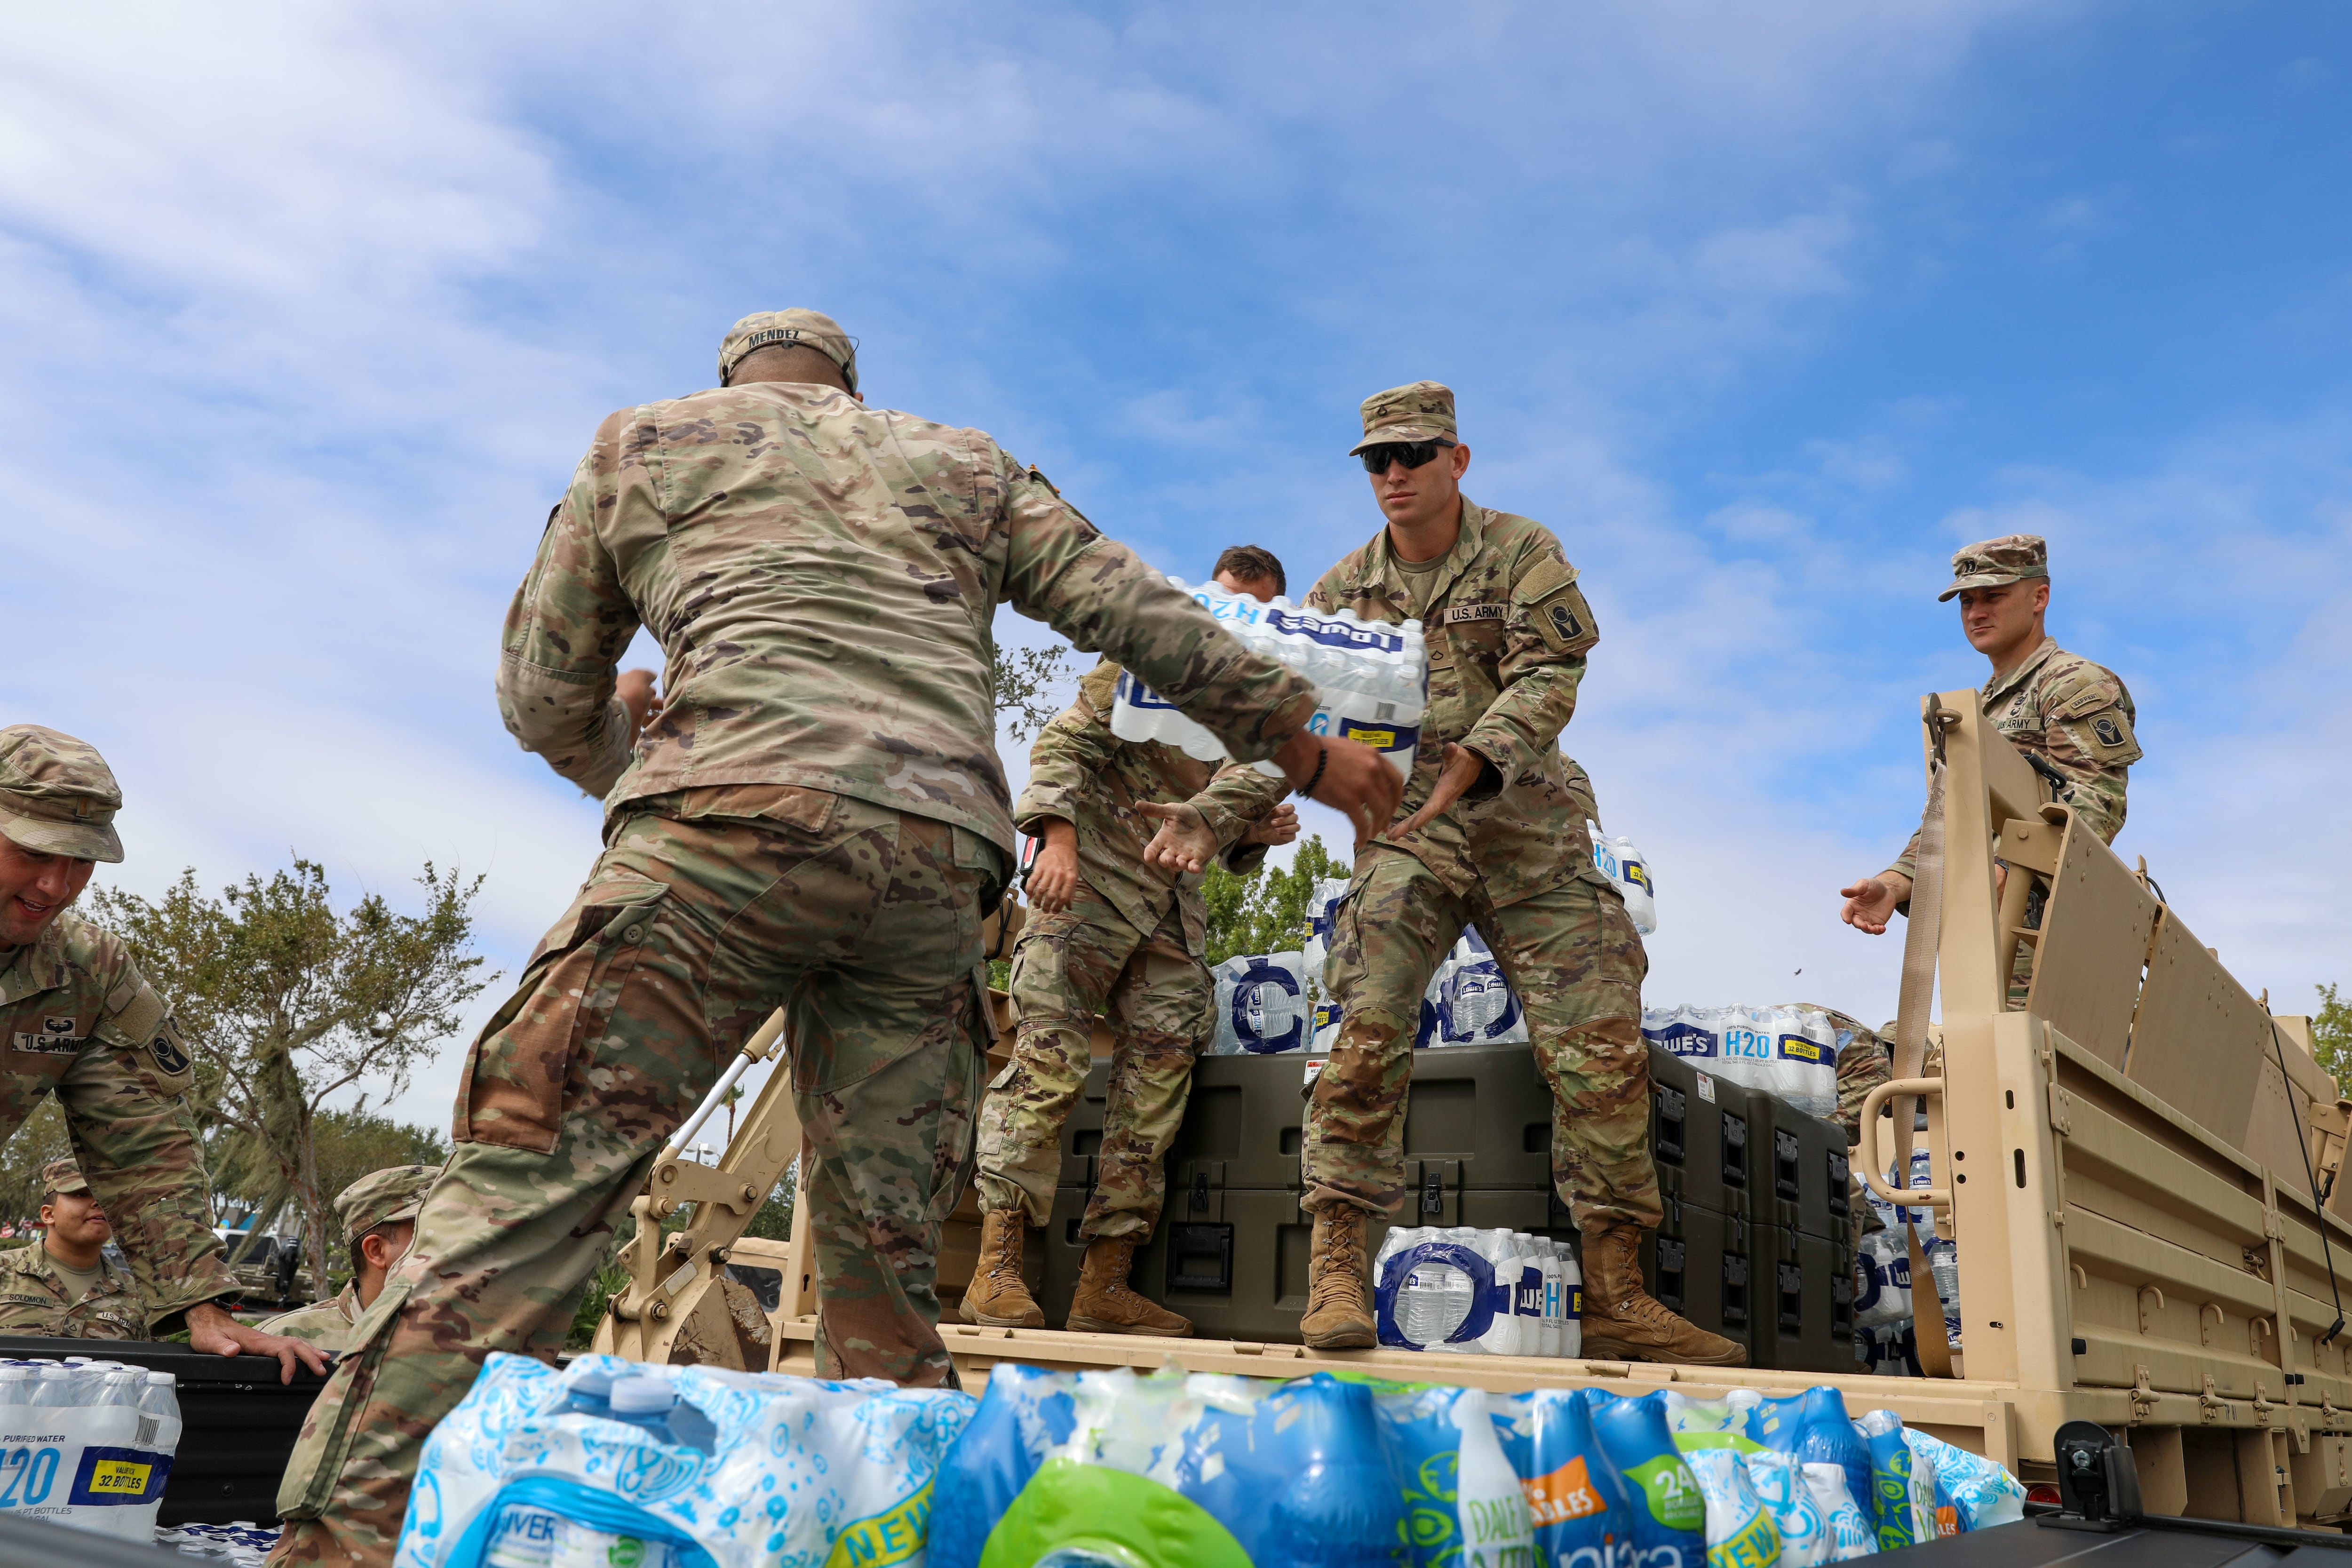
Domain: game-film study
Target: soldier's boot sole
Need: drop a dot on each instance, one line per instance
(1336, 1317)
(1105, 1304)
(1691, 1346)
(997, 1297)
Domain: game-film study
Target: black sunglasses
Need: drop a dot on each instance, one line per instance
(1411, 454)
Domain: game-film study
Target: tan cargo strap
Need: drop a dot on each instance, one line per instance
(1922, 937)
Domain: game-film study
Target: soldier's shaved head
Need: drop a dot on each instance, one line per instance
(789, 362)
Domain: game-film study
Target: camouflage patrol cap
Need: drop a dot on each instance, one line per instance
(2011, 558)
(57, 795)
(1421, 412)
(396, 1192)
(62, 1176)
(795, 328)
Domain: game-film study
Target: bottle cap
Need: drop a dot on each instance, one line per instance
(642, 1396)
(162, 1379)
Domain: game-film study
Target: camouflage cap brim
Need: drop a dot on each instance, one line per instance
(79, 840)
(1405, 432)
(1989, 580)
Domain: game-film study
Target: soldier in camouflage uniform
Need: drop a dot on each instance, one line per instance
(2073, 715)
(1495, 837)
(64, 1285)
(1113, 925)
(78, 1019)
(817, 820)
(378, 1214)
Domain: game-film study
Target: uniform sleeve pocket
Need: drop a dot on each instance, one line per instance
(513, 1090)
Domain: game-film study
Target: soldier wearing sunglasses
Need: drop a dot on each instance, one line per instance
(1491, 833)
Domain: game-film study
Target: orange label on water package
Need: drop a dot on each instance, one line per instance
(1567, 1493)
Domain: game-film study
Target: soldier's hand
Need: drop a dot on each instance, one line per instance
(212, 1331)
(1357, 781)
(1279, 826)
(1053, 874)
(1870, 903)
(1460, 770)
(1183, 842)
(634, 688)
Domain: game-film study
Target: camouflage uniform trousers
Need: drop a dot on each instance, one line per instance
(1156, 994)
(863, 923)
(1576, 964)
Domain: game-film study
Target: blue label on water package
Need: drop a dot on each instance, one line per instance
(1138, 695)
(1684, 1040)
(110, 1476)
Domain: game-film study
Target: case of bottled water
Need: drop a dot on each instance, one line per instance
(1261, 1006)
(1625, 867)
(1789, 1052)
(86, 1443)
(1372, 678)
(1481, 1292)
(1468, 1002)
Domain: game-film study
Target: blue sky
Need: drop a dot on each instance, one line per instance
(1765, 310)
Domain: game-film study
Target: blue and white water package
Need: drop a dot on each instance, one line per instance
(1629, 872)
(1026, 1413)
(1172, 1471)
(1779, 1483)
(1577, 1502)
(1669, 1511)
(1468, 1002)
(1844, 1515)
(1263, 1005)
(1372, 678)
(1812, 1427)
(1740, 1532)
(1787, 1052)
(1463, 1507)
(1979, 1493)
(760, 1469)
(1476, 1291)
(1903, 1483)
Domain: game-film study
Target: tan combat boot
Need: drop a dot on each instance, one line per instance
(1336, 1317)
(1624, 1323)
(1104, 1303)
(996, 1298)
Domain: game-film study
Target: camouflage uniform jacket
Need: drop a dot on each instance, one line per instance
(2077, 717)
(77, 1017)
(1088, 778)
(326, 1325)
(1507, 632)
(822, 577)
(32, 1300)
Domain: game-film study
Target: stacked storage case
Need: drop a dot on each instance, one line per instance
(1752, 1246)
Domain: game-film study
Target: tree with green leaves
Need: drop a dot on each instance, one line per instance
(1027, 686)
(292, 1004)
(2331, 1035)
(1265, 911)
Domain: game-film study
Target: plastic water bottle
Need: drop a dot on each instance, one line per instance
(1436, 1298)
(1617, 859)
(159, 1401)
(54, 1390)
(1944, 1263)
(1572, 1301)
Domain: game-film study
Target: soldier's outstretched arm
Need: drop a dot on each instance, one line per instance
(1102, 597)
(570, 621)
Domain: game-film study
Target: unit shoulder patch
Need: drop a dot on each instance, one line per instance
(1555, 607)
(168, 1049)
